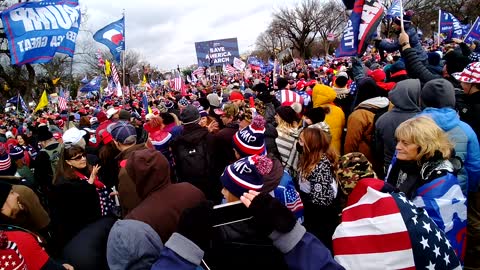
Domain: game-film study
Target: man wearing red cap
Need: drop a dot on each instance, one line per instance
(236, 97)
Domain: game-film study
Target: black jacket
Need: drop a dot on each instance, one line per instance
(468, 108)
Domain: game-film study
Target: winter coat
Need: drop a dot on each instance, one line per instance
(301, 250)
(271, 135)
(126, 188)
(232, 242)
(415, 43)
(73, 205)
(417, 69)
(160, 140)
(468, 107)
(323, 96)
(162, 202)
(405, 98)
(43, 173)
(224, 154)
(360, 127)
(466, 145)
(286, 144)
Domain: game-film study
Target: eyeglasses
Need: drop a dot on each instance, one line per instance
(77, 158)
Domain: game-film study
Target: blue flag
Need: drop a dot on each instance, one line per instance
(18, 101)
(394, 10)
(37, 30)
(113, 36)
(450, 25)
(362, 24)
(93, 85)
(474, 33)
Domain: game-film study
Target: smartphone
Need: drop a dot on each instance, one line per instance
(229, 213)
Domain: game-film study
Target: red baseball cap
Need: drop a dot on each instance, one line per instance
(235, 96)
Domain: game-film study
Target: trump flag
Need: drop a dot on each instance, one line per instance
(37, 30)
(113, 36)
(363, 22)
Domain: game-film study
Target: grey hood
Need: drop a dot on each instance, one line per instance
(132, 245)
(406, 95)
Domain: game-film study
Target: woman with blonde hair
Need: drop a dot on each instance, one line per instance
(318, 186)
(288, 132)
(423, 171)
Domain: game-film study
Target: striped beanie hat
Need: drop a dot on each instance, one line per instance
(5, 161)
(16, 152)
(251, 140)
(246, 174)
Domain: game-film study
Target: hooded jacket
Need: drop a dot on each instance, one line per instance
(414, 43)
(360, 126)
(162, 202)
(126, 188)
(466, 145)
(132, 245)
(323, 96)
(405, 98)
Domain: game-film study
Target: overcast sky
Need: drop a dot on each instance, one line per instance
(165, 31)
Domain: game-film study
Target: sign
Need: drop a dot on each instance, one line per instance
(217, 52)
(238, 64)
(37, 30)
(331, 37)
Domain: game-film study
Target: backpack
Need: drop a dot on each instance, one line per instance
(192, 162)
(54, 156)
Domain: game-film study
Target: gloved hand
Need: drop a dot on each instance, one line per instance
(269, 213)
(195, 224)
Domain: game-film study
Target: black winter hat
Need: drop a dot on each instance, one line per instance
(44, 134)
(287, 114)
(189, 115)
(438, 93)
(317, 115)
(282, 83)
(260, 88)
(455, 61)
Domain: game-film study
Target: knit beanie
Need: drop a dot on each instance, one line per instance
(246, 174)
(455, 61)
(317, 115)
(251, 140)
(438, 93)
(16, 152)
(189, 115)
(5, 189)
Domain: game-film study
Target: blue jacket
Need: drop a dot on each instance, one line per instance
(466, 145)
(302, 250)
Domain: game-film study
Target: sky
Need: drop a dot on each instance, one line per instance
(165, 32)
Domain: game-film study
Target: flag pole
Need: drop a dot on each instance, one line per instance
(439, 21)
(401, 16)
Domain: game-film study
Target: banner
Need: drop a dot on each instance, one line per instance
(450, 26)
(216, 52)
(363, 22)
(474, 33)
(37, 30)
(113, 36)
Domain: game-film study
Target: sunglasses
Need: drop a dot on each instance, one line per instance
(77, 158)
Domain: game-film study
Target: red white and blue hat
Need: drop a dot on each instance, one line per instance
(246, 174)
(471, 74)
(251, 140)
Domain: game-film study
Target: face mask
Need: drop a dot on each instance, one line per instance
(299, 148)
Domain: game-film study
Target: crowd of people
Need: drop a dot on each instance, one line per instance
(362, 163)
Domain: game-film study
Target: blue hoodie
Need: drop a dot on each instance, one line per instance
(466, 145)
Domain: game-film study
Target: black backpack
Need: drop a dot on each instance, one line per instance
(192, 162)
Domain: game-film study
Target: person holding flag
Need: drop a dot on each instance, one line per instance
(414, 42)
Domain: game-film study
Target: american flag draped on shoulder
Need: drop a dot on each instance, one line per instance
(386, 231)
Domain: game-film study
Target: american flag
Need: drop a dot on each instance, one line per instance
(62, 101)
(199, 71)
(177, 82)
(386, 231)
(229, 69)
(289, 96)
(10, 257)
(116, 79)
(353, 88)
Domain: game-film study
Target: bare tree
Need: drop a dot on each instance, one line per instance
(299, 24)
(332, 21)
(272, 41)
